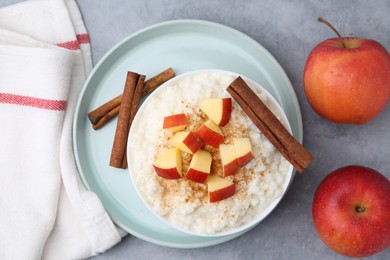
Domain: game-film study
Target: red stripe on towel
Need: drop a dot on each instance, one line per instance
(48, 104)
(75, 45)
(70, 45)
(83, 38)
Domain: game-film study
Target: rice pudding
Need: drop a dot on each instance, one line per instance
(183, 203)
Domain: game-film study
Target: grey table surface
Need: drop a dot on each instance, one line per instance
(288, 29)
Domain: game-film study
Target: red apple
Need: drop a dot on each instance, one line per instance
(351, 211)
(168, 164)
(347, 80)
(210, 133)
(200, 166)
(219, 188)
(228, 159)
(175, 123)
(217, 109)
(186, 141)
(243, 149)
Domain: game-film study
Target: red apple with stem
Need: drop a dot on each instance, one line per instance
(351, 211)
(347, 79)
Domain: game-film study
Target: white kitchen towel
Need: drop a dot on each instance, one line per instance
(45, 211)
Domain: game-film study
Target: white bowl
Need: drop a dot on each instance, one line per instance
(141, 149)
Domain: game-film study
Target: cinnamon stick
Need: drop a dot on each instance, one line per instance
(95, 115)
(134, 108)
(107, 117)
(155, 81)
(130, 101)
(109, 110)
(269, 125)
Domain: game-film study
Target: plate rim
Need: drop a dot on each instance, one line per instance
(298, 135)
(295, 101)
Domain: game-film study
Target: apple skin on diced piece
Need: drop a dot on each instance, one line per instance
(226, 111)
(243, 149)
(169, 164)
(210, 133)
(186, 141)
(219, 188)
(175, 123)
(200, 166)
(217, 109)
(228, 159)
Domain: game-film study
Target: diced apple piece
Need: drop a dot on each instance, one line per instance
(175, 123)
(210, 133)
(243, 149)
(186, 141)
(200, 166)
(228, 159)
(219, 188)
(217, 109)
(168, 165)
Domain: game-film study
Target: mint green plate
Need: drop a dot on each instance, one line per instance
(184, 45)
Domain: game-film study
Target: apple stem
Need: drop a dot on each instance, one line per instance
(322, 20)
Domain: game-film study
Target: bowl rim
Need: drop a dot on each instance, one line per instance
(271, 101)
